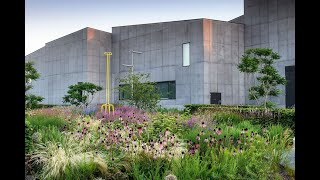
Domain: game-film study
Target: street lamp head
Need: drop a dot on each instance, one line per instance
(138, 52)
(128, 65)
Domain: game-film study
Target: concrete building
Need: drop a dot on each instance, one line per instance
(77, 57)
(193, 61)
(271, 23)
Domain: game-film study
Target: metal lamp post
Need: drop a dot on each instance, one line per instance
(131, 65)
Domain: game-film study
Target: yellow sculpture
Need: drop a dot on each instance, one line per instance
(107, 106)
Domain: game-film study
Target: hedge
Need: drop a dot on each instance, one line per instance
(49, 105)
(257, 115)
(194, 107)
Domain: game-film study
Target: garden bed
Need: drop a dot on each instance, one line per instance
(134, 144)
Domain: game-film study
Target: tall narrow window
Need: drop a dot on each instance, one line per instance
(186, 54)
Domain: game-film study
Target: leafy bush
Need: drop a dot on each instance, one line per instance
(161, 122)
(138, 91)
(40, 121)
(51, 133)
(32, 101)
(258, 115)
(28, 136)
(169, 110)
(145, 167)
(50, 105)
(227, 117)
(31, 74)
(194, 107)
(259, 61)
(79, 94)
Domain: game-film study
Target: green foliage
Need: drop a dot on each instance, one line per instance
(80, 93)
(59, 160)
(146, 167)
(227, 117)
(40, 121)
(31, 74)
(144, 94)
(51, 133)
(84, 170)
(28, 136)
(169, 110)
(49, 105)
(260, 61)
(69, 153)
(192, 167)
(195, 107)
(160, 122)
(32, 101)
(257, 115)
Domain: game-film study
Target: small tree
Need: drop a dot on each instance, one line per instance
(79, 94)
(144, 94)
(260, 61)
(31, 74)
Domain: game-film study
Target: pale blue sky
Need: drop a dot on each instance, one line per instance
(47, 20)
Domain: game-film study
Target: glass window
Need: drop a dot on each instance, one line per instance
(167, 89)
(125, 94)
(186, 54)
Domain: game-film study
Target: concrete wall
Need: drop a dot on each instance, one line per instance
(70, 59)
(98, 42)
(223, 47)
(161, 44)
(271, 23)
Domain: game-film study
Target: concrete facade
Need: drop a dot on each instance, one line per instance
(215, 50)
(77, 57)
(271, 24)
(214, 53)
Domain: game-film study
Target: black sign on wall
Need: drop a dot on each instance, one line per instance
(290, 86)
(215, 98)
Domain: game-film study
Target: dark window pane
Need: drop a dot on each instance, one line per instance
(167, 89)
(124, 94)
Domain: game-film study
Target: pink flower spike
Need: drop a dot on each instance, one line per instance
(167, 132)
(161, 146)
(219, 131)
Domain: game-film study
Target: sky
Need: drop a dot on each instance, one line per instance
(46, 20)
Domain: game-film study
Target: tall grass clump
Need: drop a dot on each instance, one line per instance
(227, 117)
(147, 167)
(40, 121)
(59, 160)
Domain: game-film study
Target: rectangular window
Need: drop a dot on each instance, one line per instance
(167, 89)
(186, 54)
(123, 95)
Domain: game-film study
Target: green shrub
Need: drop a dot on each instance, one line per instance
(39, 121)
(160, 122)
(192, 167)
(169, 110)
(227, 117)
(50, 105)
(28, 136)
(32, 101)
(51, 133)
(146, 167)
(194, 107)
(258, 115)
(84, 170)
